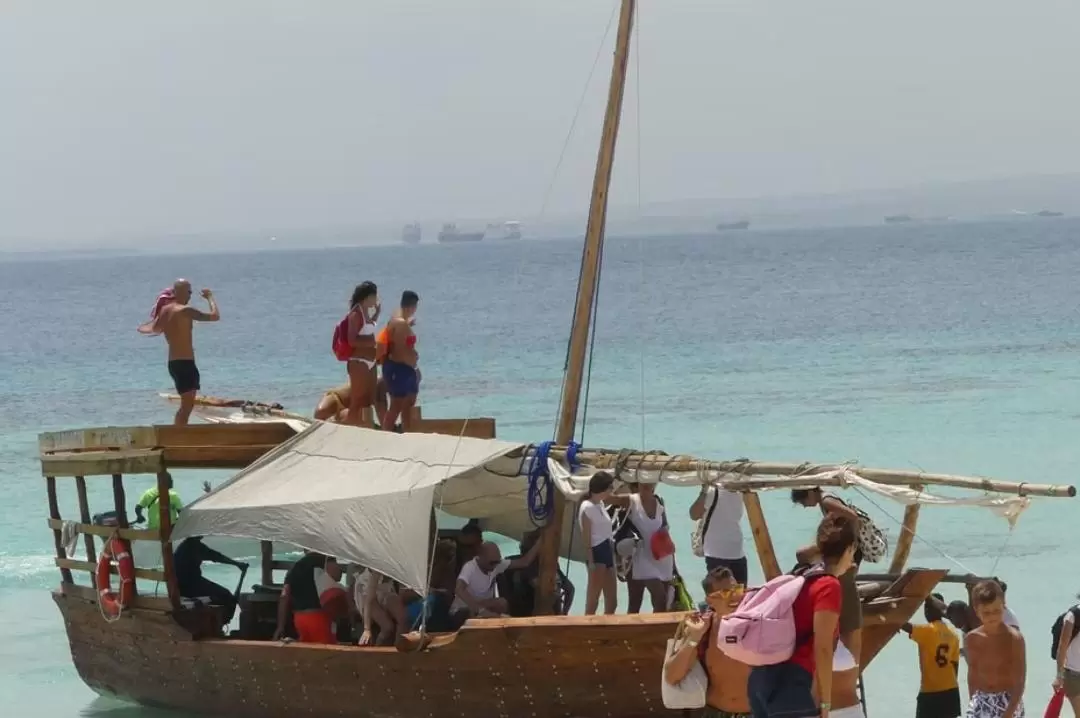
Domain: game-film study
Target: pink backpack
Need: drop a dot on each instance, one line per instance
(761, 631)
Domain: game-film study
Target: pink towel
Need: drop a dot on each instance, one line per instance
(153, 327)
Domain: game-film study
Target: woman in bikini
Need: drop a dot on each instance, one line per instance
(363, 315)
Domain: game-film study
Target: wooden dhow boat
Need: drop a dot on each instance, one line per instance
(298, 480)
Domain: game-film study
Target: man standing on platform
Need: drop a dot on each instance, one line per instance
(173, 317)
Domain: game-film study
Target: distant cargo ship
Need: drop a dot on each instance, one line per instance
(449, 234)
(411, 234)
(896, 218)
(506, 230)
(729, 226)
(1048, 213)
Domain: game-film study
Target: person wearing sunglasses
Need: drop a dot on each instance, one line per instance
(727, 696)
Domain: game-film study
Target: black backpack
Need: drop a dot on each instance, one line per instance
(1055, 630)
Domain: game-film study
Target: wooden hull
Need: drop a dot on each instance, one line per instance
(579, 667)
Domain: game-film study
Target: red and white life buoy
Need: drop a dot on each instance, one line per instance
(116, 549)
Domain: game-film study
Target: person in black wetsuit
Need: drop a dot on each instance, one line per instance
(187, 563)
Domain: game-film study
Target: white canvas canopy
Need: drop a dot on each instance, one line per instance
(361, 495)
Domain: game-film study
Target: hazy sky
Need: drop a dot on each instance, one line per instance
(122, 117)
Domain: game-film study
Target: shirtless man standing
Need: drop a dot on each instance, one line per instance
(997, 663)
(174, 319)
(399, 367)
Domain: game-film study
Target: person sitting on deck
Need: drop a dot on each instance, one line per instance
(149, 502)
(379, 604)
(996, 658)
(939, 662)
(726, 696)
(475, 591)
(301, 596)
(519, 585)
(334, 405)
(468, 543)
(187, 565)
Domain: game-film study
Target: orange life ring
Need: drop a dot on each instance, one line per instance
(119, 550)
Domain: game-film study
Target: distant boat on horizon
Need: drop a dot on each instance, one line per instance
(730, 226)
(897, 218)
(1049, 213)
(449, 234)
(507, 230)
(411, 234)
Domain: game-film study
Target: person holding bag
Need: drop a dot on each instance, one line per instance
(654, 559)
(697, 674)
(718, 536)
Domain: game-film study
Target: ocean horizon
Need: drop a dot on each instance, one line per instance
(948, 348)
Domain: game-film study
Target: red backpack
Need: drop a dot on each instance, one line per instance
(340, 343)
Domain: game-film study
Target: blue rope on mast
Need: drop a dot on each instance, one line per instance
(541, 489)
(541, 496)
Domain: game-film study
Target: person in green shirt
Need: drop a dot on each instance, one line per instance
(149, 502)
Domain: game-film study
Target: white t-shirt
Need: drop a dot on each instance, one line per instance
(724, 537)
(481, 585)
(1072, 655)
(1009, 619)
(599, 521)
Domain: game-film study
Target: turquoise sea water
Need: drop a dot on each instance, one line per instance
(948, 348)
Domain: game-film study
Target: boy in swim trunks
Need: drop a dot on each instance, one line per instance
(997, 664)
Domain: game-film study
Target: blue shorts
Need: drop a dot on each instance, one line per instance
(784, 690)
(603, 554)
(401, 379)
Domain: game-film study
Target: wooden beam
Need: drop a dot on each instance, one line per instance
(107, 531)
(119, 500)
(102, 463)
(475, 428)
(164, 484)
(145, 603)
(146, 573)
(214, 457)
(54, 512)
(762, 540)
(84, 516)
(907, 536)
(266, 549)
(106, 437)
(251, 434)
(588, 283)
(794, 476)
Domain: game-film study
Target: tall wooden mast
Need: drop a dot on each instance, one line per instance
(583, 308)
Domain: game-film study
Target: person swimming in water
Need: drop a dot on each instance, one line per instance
(399, 367)
(363, 315)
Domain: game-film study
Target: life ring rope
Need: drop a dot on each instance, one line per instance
(112, 604)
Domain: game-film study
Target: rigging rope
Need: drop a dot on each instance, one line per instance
(541, 492)
(925, 540)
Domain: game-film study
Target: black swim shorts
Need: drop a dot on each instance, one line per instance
(185, 375)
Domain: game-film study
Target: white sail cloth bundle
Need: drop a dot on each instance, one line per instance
(574, 487)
